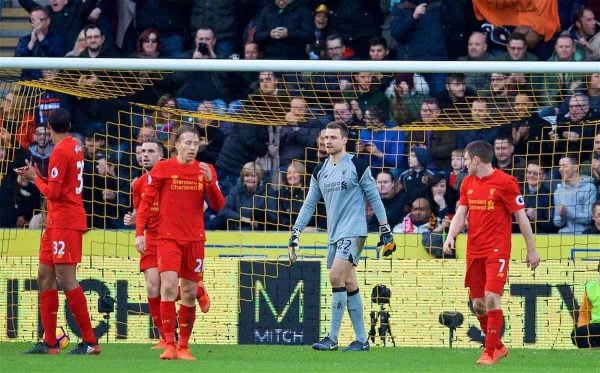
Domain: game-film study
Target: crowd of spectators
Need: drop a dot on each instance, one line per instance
(544, 134)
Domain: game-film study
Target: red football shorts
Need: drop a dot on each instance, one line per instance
(148, 258)
(486, 274)
(184, 257)
(61, 246)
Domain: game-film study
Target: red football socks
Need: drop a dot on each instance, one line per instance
(168, 316)
(187, 317)
(78, 307)
(492, 337)
(48, 311)
(154, 305)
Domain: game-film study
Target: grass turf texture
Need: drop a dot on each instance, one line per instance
(228, 358)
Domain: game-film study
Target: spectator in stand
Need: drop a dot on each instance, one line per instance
(505, 160)
(149, 45)
(537, 196)
(243, 144)
(556, 87)
(590, 86)
(316, 48)
(283, 30)
(167, 18)
(245, 205)
(96, 43)
(365, 91)
(516, 51)
(316, 155)
(225, 18)
(244, 82)
(455, 94)
(211, 137)
(78, 47)
(430, 30)
(40, 150)
(406, 93)
(342, 111)
(380, 144)
(111, 191)
(197, 86)
(394, 200)
(11, 157)
(526, 132)
(68, 17)
(414, 180)
(420, 219)
(574, 131)
(356, 21)
(41, 42)
(50, 100)
(573, 197)
(591, 167)
(585, 33)
(440, 143)
(442, 198)
(379, 51)
(284, 202)
(480, 117)
(17, 117)
(499, 94)
(336, 48)
(298, 134)
(594, 228)
(164, 121)
(477, 51)
(457, 172)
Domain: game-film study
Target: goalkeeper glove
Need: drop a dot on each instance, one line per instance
(386, 243)
(293, 245)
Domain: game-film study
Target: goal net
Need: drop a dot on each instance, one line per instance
(409, 121)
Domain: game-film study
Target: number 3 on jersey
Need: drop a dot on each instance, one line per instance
(58, 248)
(79, 188)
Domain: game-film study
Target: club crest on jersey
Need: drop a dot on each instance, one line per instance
(54, 172)
(149, 179)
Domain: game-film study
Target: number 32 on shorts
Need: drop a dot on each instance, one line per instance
(58, 248)
(199, 265)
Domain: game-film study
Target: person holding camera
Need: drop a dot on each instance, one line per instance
(345, 183)
(199, 86)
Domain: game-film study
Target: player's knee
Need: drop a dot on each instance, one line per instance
(479, 306)
(492, 301)
(336, 279)
(153, 288)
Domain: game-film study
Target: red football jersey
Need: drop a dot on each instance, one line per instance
(139, 188)
(64, 186)
(180, 190)
(491, 200)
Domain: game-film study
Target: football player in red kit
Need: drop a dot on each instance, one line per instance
(180, 185)
(491, 198)
(60, 248)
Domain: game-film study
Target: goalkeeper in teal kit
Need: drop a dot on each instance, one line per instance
(344, 182)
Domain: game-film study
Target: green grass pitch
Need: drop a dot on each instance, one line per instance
(237, 359)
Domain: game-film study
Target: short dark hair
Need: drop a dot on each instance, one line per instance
(377, 112)
(378, 40)
(333, 37)
(338, 124)
(573, 158)
(455, 77)
(516, 36)
(40, 9)
(92, 26)
(387, 171)
(158, 143)
(59, 120)
(481, 149)
(183, 130)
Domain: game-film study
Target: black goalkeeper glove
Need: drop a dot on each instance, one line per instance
(293, 245)
(386, 244)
